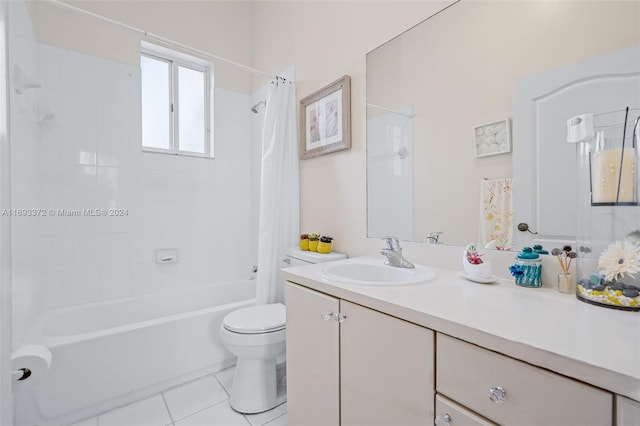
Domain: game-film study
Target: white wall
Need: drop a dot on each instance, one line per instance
(326, 40)
(219, 27)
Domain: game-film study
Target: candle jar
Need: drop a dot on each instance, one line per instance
(608, 223)
(613, 158)
(566, 283)
(527, 270)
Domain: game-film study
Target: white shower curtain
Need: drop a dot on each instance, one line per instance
(279, 220)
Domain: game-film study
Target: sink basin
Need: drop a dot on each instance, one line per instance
(377, 274)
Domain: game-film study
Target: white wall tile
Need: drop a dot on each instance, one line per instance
(143, 246)
(113, 183)
(80, 285)
(146, 279)
(113, 147)
(115, 281)
(77, 73)
(49, 67)
(89, 157)
(79, 147)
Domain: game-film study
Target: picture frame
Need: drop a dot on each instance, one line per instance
(492, 138)
(325, 119)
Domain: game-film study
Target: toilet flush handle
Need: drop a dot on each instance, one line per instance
(286, 261)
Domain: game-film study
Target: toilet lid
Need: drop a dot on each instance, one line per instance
(256, 319)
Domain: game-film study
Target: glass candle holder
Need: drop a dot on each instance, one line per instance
(566, 283)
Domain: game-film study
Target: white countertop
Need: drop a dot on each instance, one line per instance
(555, 331)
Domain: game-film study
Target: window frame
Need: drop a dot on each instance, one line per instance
(175, 60)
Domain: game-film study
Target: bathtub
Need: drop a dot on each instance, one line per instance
(111, 353)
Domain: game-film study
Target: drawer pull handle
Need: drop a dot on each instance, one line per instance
(444, 419)
(497, 394)
(326, 315)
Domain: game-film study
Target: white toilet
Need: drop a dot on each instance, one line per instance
(256, 335)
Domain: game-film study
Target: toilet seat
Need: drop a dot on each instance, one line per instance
(256, 319)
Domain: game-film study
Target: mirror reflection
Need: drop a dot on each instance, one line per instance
(440, 112)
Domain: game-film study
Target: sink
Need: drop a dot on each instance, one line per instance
(376, 274)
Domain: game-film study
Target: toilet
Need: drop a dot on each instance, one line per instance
(256, 335)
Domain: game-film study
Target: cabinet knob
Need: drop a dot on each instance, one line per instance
(497, 394)
(326, 316)
(444, 419)
(340, 317)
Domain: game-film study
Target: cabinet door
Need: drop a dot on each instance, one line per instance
(627, 412)
(387, 369)
(313, 394)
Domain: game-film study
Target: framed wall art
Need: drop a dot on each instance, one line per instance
(492, 139)
(325, 119)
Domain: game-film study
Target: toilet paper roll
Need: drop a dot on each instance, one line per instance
(36, 358)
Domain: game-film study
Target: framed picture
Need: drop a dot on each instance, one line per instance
(325, 119)
(492, 139)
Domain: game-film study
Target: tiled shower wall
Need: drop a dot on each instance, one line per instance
(23, 53)
(88, 156)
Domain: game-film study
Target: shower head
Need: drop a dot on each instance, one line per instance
(254, 109)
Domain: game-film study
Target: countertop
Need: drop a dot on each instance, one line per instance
(540, 326)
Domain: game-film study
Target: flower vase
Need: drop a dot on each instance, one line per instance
(313, 245)
(304, 244)
(481, 270)
(324, 247)
(566, 283)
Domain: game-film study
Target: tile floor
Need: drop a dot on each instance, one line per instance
(202, 402)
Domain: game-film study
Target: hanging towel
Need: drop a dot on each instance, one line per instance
(496, 212)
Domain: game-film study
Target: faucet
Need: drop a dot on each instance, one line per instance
(432, 237)
(393, 252)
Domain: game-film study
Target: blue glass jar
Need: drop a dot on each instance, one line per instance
(528, 268)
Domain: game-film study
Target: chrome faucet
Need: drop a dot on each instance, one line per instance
(393, 252)
(433, 237)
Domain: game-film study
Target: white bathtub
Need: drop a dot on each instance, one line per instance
(111, 353)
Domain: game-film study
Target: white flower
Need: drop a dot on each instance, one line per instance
(619, 259)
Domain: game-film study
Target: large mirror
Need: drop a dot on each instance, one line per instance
(440, 113)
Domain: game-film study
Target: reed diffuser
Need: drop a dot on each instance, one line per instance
(566, 282)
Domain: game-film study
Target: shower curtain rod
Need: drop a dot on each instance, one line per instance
(164, 40)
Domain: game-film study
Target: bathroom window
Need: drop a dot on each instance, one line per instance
(176, 102)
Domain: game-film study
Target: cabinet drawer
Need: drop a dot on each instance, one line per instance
(474, 377)
(451, 414)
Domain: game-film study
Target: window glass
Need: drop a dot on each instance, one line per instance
(191, 111)
(156, 103)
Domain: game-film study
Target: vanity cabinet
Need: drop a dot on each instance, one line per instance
(511, 392)
(351, 365)
(627, 412)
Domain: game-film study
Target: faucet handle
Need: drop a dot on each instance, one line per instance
(433, 237)
(392, 242)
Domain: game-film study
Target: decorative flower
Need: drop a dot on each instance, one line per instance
(619, 259)
(564, 257)
(516, 270)
(472, 255)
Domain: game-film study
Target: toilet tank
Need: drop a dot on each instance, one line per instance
(297, 257)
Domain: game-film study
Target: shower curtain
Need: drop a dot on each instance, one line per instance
(279, 220)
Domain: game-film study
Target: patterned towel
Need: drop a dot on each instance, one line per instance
(496, 212)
